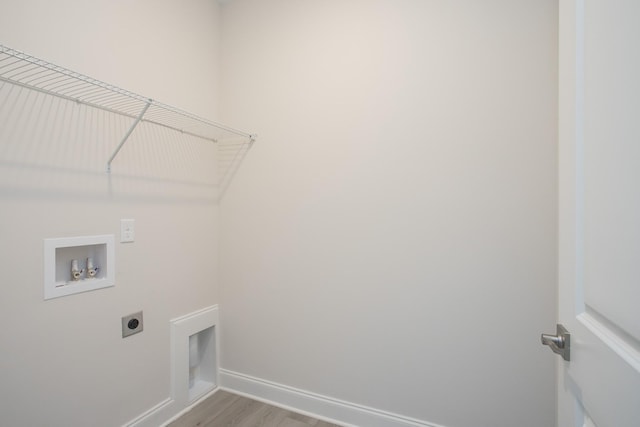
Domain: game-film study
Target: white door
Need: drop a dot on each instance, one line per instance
(599, 246)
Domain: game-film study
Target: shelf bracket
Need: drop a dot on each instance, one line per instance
(129, 132)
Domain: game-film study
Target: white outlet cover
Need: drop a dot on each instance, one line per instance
(127, 230)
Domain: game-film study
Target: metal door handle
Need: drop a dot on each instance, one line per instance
(556, 340)
(559, 343)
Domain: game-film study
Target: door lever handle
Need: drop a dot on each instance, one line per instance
(559, 343)
(552, 340)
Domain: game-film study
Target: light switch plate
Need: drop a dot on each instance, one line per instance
(127, 230)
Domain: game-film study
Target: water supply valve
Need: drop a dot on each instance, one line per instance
(91, 269)
(76, 272)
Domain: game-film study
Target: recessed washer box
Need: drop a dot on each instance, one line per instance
(78, 264)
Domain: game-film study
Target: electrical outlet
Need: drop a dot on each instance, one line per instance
(127, 230)
(132, 324)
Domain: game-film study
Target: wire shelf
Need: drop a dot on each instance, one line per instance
(29, 72)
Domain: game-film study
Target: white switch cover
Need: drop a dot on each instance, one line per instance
(127, 230)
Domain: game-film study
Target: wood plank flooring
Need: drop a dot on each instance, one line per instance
(226, 409)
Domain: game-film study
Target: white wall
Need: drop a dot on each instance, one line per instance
(63, 361)
(390, 239)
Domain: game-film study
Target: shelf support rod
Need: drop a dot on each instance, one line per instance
(128, 134)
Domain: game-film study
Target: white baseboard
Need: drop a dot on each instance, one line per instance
(155, 416)
(188, 408)
(164, 413)
(318, 406)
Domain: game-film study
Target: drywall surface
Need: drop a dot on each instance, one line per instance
(63, 361)
(390, 240)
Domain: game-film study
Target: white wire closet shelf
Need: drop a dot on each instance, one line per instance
(26, 71)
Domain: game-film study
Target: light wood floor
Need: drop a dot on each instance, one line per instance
(227, 409)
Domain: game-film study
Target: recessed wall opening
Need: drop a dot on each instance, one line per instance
(194, 353)
(78, 264)
(202, 363)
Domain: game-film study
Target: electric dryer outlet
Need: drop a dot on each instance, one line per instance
(132, 324)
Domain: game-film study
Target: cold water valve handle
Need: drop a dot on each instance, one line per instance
(91, 269)
(76, 272)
